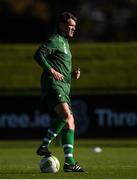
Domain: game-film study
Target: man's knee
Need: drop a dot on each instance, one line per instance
(70, 122)
(68, 117)
(63, 110)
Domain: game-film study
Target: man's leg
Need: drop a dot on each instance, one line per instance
(67, 135)
(52, 132)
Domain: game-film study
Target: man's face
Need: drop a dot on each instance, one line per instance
(69, 28)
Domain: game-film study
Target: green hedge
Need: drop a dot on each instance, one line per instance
(103, 66)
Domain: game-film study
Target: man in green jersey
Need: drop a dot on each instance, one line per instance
(54, 57)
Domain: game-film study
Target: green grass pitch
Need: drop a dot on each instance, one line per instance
(118, 160)
(103, 66)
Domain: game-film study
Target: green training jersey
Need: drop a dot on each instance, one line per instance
(55, 53)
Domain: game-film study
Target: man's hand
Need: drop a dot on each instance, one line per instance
(76, 73)
(58, 76)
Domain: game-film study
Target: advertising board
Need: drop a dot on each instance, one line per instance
(95, 116)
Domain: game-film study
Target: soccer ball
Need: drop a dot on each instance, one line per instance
(97, 149)
(49, 164)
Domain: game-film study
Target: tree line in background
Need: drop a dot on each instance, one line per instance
(98, 20)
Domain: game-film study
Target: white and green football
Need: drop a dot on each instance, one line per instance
(49, 164)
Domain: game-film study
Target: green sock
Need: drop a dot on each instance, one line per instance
(53, 131)
(67, 136)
